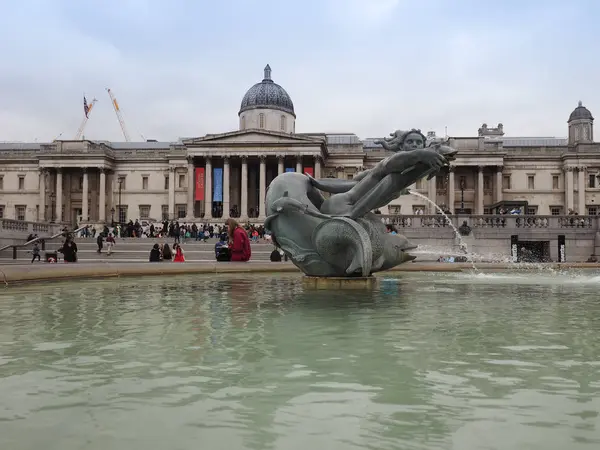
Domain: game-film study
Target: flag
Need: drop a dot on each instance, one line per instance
(86, 108)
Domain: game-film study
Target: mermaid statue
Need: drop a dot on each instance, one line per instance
(340, 236)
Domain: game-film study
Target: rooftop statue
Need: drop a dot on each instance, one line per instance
(339, 236)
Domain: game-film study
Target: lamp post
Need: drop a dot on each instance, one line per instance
(120, 189)
(112, 212)
(52, 206)
(462, 196)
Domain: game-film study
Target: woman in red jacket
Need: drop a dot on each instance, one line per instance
(239, 243)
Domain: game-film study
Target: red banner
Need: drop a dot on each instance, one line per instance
(309, 171)
(199, 183)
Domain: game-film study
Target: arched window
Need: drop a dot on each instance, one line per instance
(261, 120)
(282, 123)
(243, 122)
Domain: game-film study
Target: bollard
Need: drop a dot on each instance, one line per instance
(14, 252)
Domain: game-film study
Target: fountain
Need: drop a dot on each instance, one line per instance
(335, 238)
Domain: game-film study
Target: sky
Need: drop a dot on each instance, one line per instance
(181, 68)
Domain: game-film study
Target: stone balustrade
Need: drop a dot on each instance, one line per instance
(17, 228)
(494, 221)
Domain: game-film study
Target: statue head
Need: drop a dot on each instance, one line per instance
(413, 140)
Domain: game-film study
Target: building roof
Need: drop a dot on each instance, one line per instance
(581, 112)
(267, 94)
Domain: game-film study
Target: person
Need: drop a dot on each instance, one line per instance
(221, 249)
(155, 254)
(275, 255)
(35, 252)
(239, 243)
(167, 254)
(178, 254)
(99, 241)
(69, 250)
(110, 242)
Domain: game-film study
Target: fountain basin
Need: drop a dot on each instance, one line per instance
(339, 282)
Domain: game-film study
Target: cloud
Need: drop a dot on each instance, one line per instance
(366, 67)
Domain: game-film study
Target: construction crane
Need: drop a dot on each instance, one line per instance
(88, 111)
(119, 115)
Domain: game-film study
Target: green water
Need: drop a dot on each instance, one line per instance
(427, 361)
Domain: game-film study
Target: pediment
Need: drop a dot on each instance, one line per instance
(252, 137)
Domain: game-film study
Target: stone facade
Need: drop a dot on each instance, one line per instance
(98, 181)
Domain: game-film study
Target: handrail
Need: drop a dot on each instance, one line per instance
(42, 238)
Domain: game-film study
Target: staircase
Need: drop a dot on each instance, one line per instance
(130, 250)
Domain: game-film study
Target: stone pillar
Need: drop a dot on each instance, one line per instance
(568, 189)
(171, 193)
(262, 191)
(318, 161)
(479, 209)
(450, 188)
(191, 186)
(42, 201)
(226, 170)
(85, 206)
(102, 200)
(244, 188)
(581, 191)
(59, 195)
(280, 166)
(208, 189)
(498, 189)
(432, 195)
(299, 163)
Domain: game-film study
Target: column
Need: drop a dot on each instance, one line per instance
(498, 190)
(568, 188)
(208, 189)
(191, 186)
(299, 163)
(59, 195)
(431, 194)
(226, 186)
(581, 191)
(262, 192)
(102, 200)
(42, 201)
(280, 167)
(479, 209)
(85, 206)
(318, 161)
(171, 193)
(451, 190)
(244, 188)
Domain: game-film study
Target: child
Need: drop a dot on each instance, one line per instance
(35, 252)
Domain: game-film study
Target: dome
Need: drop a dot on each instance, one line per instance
(267, 95)
(581, 113)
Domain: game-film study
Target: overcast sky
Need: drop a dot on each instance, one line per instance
(180, 68)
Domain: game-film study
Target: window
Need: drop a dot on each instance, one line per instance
(462, 182)
(121, 182)
(282, 125)
(243, 122)
(418, 209)
(556, 210)
(37, 213)
(2, 211)
(21, 183)
(394, 210)
(487, 182)
(592, 210)
(123, 213)
(80, 188)
(531, 182)
(350, 176)
(420, 184)
(591, 181)
(1, 182)
(144, 211)
(182, 181)
(164, 212)
(181, 211)
(145, 183)
(531, 210)
(441, 182)
(20, 212)
(166, 182)
(506, 182)
(261, 120)
(555, 181)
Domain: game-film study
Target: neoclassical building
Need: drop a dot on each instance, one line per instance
(209, 178)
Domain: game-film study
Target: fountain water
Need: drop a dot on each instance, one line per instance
(461, 243)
